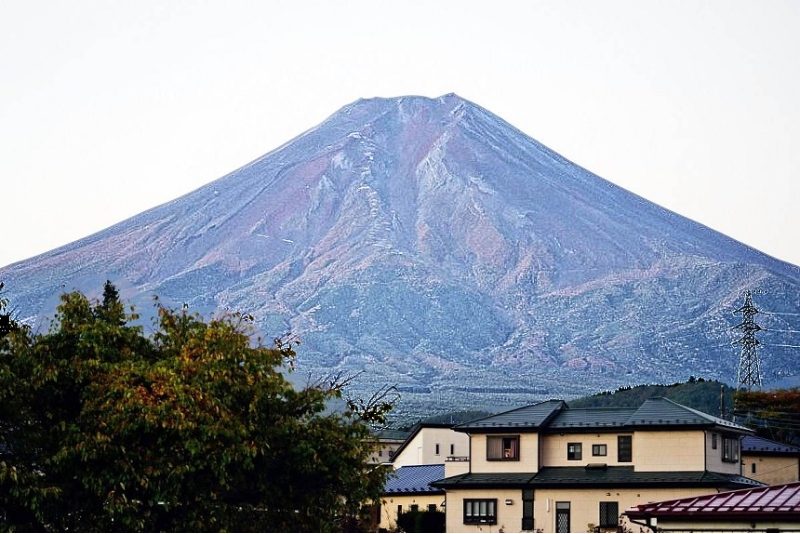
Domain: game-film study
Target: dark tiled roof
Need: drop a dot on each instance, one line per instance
(766, 502)
(486, 480)
(391, 434)
(755, 444)
(414, 479)
(556, 416)
(591, 418)
(607, 477)
(664, 412)
(625, 476)
(527, 417)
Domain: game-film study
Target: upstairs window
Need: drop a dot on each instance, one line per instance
(502, 448)
(599, 450)
(437, 449)
(730, 449)
(480, 511)
(574, 451)
(452, 449)
(624, 448)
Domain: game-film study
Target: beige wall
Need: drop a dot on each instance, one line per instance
(585, 504)
(554, 449)
(528, 455)
(771, 470)
(389, 506)
(509, 516)
(422, 449)
(672, 450)
(452, 469)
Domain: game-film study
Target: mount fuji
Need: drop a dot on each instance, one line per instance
(430, 244)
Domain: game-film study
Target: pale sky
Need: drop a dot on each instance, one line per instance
(110, 108)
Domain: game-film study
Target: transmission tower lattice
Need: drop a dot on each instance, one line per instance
(748, 376)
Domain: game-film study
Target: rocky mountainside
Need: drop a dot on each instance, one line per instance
(430, 244)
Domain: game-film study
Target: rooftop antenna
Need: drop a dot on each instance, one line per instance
(748, 376)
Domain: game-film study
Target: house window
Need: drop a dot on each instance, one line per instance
(624, 448)
(431, 507)
(415, 508)
(609, 514)
(480, 511)
(713, 441)
(574, 451)
(399, 510)
(730, 449)
(753, 468)
(502, 448)
(437, 449)
(599, 450)
(452, 449)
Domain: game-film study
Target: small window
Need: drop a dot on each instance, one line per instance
(502, 448)
(480, 511)
(380, 453)
(574, 451)
(599, 450)
(753, 468)
(452, 449)
(624, 448)
(431, 507)
(437, 449)
(399, 510)
(730, 449)
(609, 514)
(415, 508)
(714, 441)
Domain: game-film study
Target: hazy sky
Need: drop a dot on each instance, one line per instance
(110, 108)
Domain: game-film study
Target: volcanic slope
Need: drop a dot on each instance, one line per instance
(431, 244)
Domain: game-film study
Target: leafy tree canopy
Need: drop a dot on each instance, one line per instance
(194, 428)
(774, 414)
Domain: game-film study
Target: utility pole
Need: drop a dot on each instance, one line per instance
(748, 376)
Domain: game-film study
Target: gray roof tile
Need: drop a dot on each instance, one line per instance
(526, 417)
(755, 444)
(414, 479)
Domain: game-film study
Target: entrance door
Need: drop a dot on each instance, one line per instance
(562, 516)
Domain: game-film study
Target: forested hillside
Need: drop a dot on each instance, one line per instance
(700, 394)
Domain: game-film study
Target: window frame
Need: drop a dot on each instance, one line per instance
(602, 516)
(503, 449)
(626, 449)
(598, 447)
(487, 519)
(730, 450)
(575, 451)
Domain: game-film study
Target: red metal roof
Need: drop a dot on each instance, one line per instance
(764, 501)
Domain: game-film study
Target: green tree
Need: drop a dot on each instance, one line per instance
(773, 414)
(195, 428)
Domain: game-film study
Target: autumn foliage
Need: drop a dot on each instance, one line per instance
(193, 428)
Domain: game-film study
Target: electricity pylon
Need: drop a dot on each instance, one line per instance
(748, 376)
